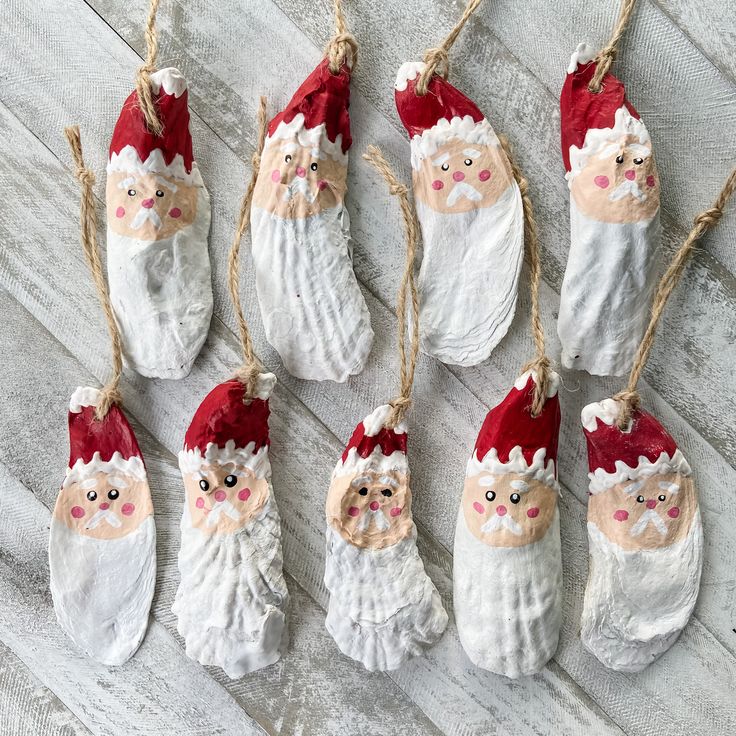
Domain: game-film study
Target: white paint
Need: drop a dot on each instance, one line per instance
(82, 471)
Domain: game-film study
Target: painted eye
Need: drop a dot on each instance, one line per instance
(287, 158)
(159, 192)
(231, 480)
(113, 493)
(490, 495)
(386, 492)
(620, 159)
(638, 161)
(363, 491)
(445, 167)
(313, 167)
(640, 499)
(91, 495)
(515, 498)
(131, 192)
(468, 162)
(204, 485)
(662, 497)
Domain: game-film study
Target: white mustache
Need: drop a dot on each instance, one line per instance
(146, 214)
(463, 189)
(625, 188)
(377, 516)
(104, 515)
(649, 516)
(498, 522)
(222, 507)
(299, 185)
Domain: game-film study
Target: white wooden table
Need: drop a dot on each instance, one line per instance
(65, 61)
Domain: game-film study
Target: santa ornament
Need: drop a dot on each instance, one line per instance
(614, 215)
(469, 209)
(644, 529)
(232, 601)
(507, 558)
(383, 607)
(312, 308)
(158, 221)
(102, 541)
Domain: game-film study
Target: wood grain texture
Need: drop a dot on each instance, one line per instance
(75, 64)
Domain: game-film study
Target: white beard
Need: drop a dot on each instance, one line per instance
(102, 589)
(508, 600)
(312, 307)
(161, 294)
(232, 601)
(637, 602)
(604, 302)
(383, 607)
(468, 278)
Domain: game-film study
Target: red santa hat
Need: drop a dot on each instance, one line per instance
(375, 447)
(136, 150)
(644, 448)
(442, 114)
(511, 440)
(583, 113)
(317, 114)
(100, 446)
(225, 429)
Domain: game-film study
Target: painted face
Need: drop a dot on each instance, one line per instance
(461, 177)
(508, 510)
(370, 510)
(645, 514)
(104, 506)
(619, 184)
(223, 498)
(298, 181)
(149, 207)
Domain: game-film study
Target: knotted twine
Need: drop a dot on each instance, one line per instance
(436, 60)
(608, 53)
(342, 46)
(252, 367)
(629, 397)
(407, 362)
(540, 363)
(143, 77)
(110, 393)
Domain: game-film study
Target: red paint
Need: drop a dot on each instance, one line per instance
(147, 203)
(484, 175)
(437, 184)
(674, 512)
(395, 511)
(77, 512)
(127, 509)
(374, 505)
(458, 176)
(324, 97)
(388, 440)
(105, 506)
(601, 181)
(621, 515)
(353, 511)
(478, 507)
(322, 185)
(651, 503)
(244, 495)
(533, 513)
(199, 503)
(501, 510)
(175, 212)
(220, 495)
(651, 181)
(120, 212)
(275, 176)
(301, 171)
(630, 174)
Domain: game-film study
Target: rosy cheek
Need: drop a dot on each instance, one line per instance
(120, 212)
(533, 513)
(353, 511)
(244, 495)
(478, 507)
(650, 181)
(395, 511)
(275, 175)
(484, 175)
(437, 185)
(199, 503)
(601, 181)
(77, 512)
(175, 212)
(674, 512)
(322, 185)
(127, 509)
(621, 515)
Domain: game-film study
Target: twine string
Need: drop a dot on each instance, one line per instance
(407, 362)
(541, 363)
(629, 397)
(436, 60)
(88, 235)
(252, 367)
(143, 84)
(607, 54)
(342, 46)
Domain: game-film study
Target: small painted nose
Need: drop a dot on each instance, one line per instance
(105, 506)
(651, 503)
(220, 495)
(501, 510)
(458, 176)
(630, 174)
(374, 505)
(147, 203)
(301, 171)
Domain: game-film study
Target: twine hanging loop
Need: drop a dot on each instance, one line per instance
(608, 53)
(342, 47)
(143, 85)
